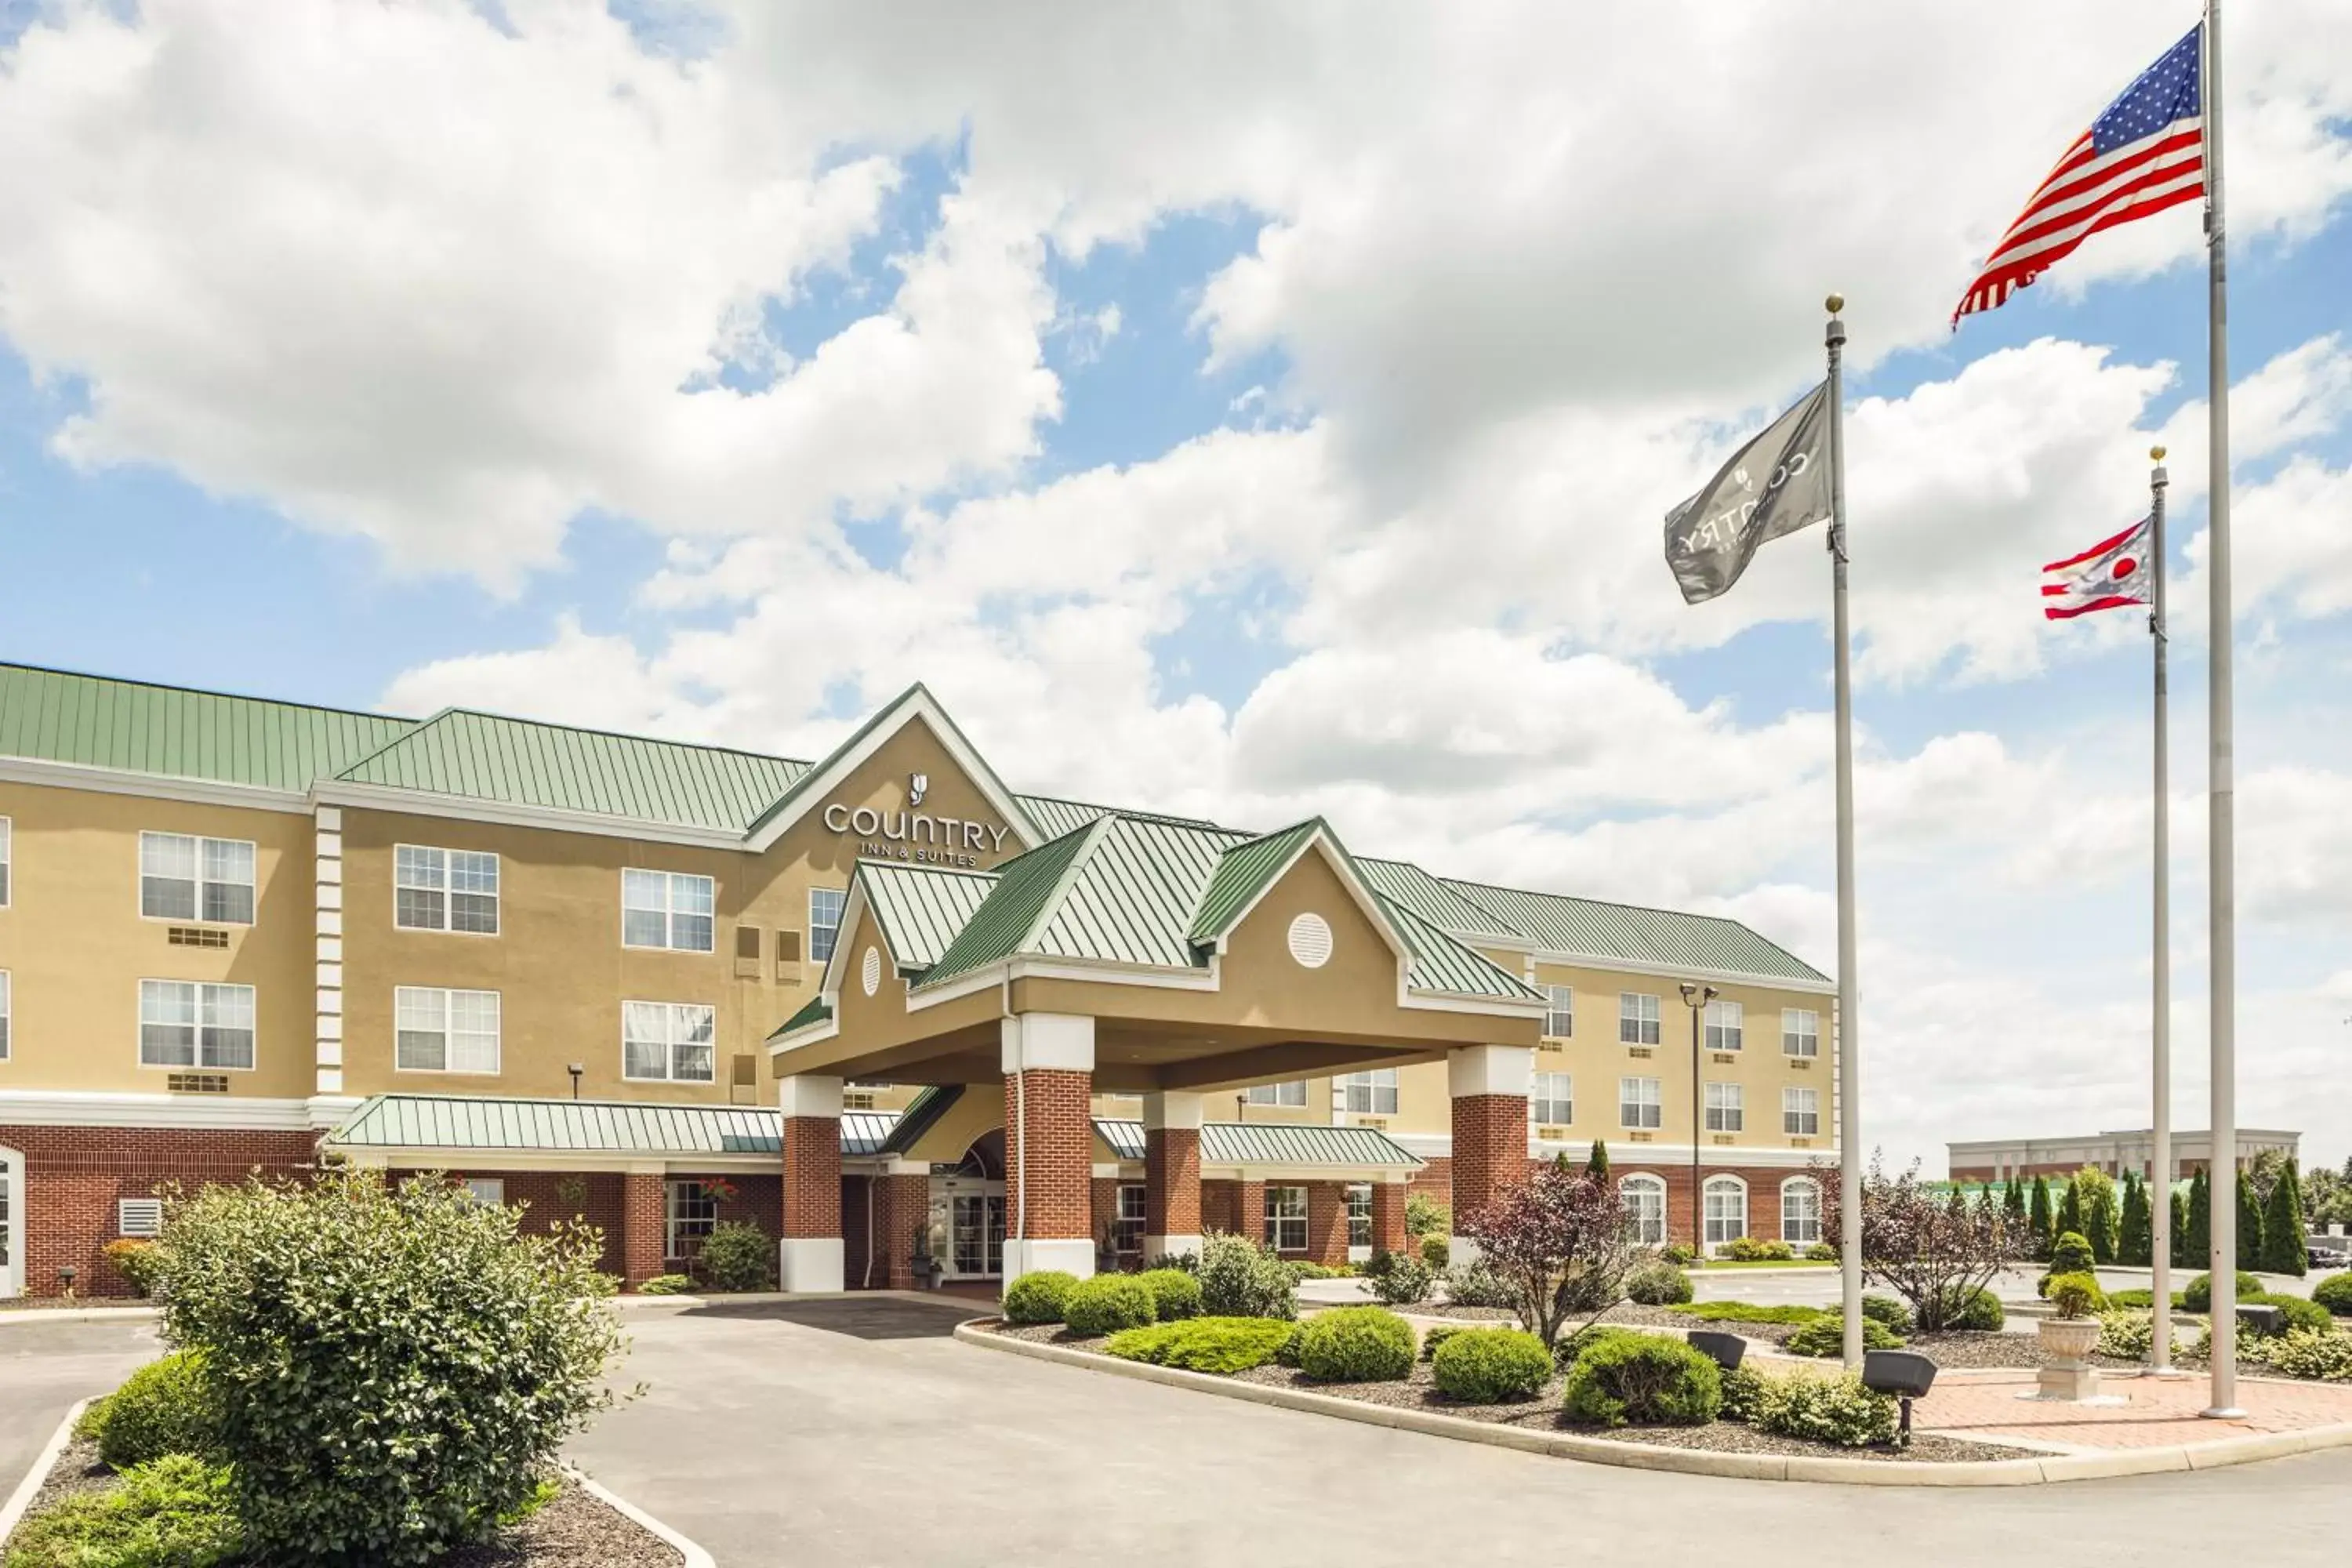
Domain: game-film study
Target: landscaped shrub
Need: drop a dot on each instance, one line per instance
(136, 1260)
(2136, 1299)
(1887, 1310)
(1825, 1336)
(1682, 1255)
(1355, 1344)
(2070, 1255)
(1436, 1250)
(1037, 1298)
(1491, 1366)
(1302, 1269)
(1657, 1284)
(737, 1256)
(2298, 1313)
(2075, 1295)
(1400, 1279)
(1834, 1410)
(1184, 1262)
(1823, 1252)
(1174, 1293)
(165, 1407)
(1426, 1215)
(173, 1513)
(1585, 1340)
(2334, 1293)
(1747, 1249)
(1239, 1279)
(1475, 1285)
(1742, 1386)
(1220, 1345)
(2325, 1353)
(2127, 1334)
(1979, 1310)
(1108, 1303)
(2197, 1294)
(1437, 1335)
(1644, 1380)
(663, 1285)
(395, 1369)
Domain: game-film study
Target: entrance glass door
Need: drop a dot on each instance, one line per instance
(11, 1200)
(977, 1234)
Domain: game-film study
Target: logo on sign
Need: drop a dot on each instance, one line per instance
(917, 787)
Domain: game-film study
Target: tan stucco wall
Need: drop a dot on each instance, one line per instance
(76, 946)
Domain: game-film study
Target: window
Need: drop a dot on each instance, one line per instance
(138, 1217)
(1727, 1107)
(1637, 1018)
(1285, 1218)
(1726, 1023)
(1801, 1211)
(691, 1212)
(1359, 1214)
(1726, 1209)
(445, 1031)
(185, 1025)
(186, 879)
(1637, 1102)
(488, 1191)
(1550, 1098)
(1800, 1032)
(824, 920)
(1559, 1011)
(666, 1040)
(666, 909)
(1277, 1093)
(7, 1011)
(1374, 1093)
(8, 859)
(1127, 1229)
(1645, 1198)
(1800, 1112)
(445, 890)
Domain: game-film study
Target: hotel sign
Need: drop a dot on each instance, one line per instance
(916, 836)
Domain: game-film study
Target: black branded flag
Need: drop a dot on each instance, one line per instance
(1776, 484)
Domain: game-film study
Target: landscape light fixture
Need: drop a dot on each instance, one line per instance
(1905, 1375)
(1695, 996)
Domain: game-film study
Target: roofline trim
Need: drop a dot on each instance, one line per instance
(473, 808)
(1367, 897)
(1821, 988)
(154, 786)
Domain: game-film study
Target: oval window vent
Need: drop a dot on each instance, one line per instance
(1310, 940)
(872, 975)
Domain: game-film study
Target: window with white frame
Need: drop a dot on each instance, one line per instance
(824, 922)
(184, 878)
(668, 1040)
(1292, 1093)
(183, 1024)
(1127, 1227)
(1637, 1018)
(690, 1213)
(1559, 1011)
(666, 909)
(1638, 1103)
(1800, 1112)
(445, 890)
(1726, 1023)
(7, 1012)
(1285, 1218)
(1727, 1107)
(1644, 1199)
(439, 1030)
(7, 860)
(1800, 1032)
(1550, 1098)
(1801, 1211)
(488, 1191)
(1359, 1214)
(1373, 1093)
(1726, 1209)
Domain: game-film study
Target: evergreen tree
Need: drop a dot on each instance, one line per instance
(2134, 1233)
(2250, 1224)
(1597, 1163)
(2013, 1206)
(2042, 1222)
(2182, 1258)
(2200, 1222)
(2094, 1196)
(2283, 1227)
(2070, 1211)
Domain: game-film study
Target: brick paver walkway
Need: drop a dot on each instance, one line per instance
(2156, 1413)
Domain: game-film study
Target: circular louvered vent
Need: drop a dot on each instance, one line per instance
(1310, 940)
(872, 974)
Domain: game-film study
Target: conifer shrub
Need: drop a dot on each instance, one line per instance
(1355, 1344)
(1174, 1293)
(176, 1512)
(1218, 1346)
(1644, 1380)
(1491, 1366)
(1108, 1303)
(165, 1407)
(1037, 1298)
(1825, 1336)
(2197, 1294)
(2334, 1293)
(1887, 1310)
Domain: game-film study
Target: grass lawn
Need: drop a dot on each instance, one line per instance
(1718, 1264)
(1746, 1312)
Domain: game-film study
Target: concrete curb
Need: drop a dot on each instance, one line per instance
(80, 1314)
(696, 1557)
(13, 1510)
(2022, 1472)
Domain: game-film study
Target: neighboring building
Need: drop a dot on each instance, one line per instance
(586, 970)
(1998, 1159)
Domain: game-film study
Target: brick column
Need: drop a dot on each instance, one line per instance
(1048, 1060)
(1388, 1216)
(643, 1214)
(902, 1202)
(810, 1255)
(1489, 1086)
(1249, 1210)
(1327, 1223)
(1172, 1175)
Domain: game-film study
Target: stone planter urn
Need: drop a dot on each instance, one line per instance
(2068, 1342)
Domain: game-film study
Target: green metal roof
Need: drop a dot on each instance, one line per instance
(569, 1126)
(1025, 887)
(922, 1113)
(1129, 899)
(1273, 1143)
(128, 726)
(1440, 963)
(1056, 817)
(983, 774)
(1403, 882)
(1588, 927)
(921, 908)
(516, 762)
(1242, 873)
(813, 1011)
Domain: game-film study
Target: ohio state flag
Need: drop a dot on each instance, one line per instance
(2108, 576)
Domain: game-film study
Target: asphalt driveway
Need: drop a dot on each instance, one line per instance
(44, 1367)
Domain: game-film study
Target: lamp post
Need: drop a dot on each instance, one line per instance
(1695, 997)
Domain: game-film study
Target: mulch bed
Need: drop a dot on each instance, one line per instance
(575, 1529)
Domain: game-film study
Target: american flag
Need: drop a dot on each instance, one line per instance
(2146, 153)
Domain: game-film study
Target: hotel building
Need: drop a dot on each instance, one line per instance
(915, 1024)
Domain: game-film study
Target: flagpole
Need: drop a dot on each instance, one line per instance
(1849, 1076)
(2221, 787)
(2160, 1344)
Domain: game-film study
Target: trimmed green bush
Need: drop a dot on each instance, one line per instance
(2137, 1300)
(1037, 1298)
(1108, 1303)
(1644, 1380)
(1219, 1345)
(1747, 1249)
(2127, 1334)
(1399, 1279)
(165, 1407)
(1239, 1279)
(1174, 1293)
(1823, 1252)
(2298, 1313)
(2324, 1354)
(1742, 1386)
(1436, 1251)
(175, 1512)
(1982, 1312)
(1475, 1285)
(2197, 1294)
(1746, 1312)
(139, 1262)
(666, 1285)
(1887, 1310)
(2070, 1253)
(2334, 1293)
(1286, 1353)
(1657, 1284)
(1437, 1335)
(738, 1256)
(1491, 1366)
(2076, 1294)
(1682, 1255)
(1426, 1215)
(1355, 1344)
(1578, 1344)
(1825, 1336)
(1835, 1410)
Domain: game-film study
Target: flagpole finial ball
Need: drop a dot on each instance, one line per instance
(1836, 303)
(2156, 453)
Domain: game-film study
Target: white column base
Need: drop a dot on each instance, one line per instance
(1072, 1255)
(1461, 1251)
(1169, 1245)
(810, 1263)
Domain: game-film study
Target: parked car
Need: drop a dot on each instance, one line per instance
(2328, 1258)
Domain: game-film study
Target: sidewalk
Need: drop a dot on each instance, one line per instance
(2156, 1413)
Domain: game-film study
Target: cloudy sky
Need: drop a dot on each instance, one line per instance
(1244, 411)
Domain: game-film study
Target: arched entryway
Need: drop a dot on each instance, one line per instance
(967, 1212)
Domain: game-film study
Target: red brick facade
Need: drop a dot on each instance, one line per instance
(1763, 1193)
(1171, 1181)
(1490, 1149)
(903, 1203)
(812, 1176)
(1056, 1126)
(642, 1194)
(1388, 1216)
